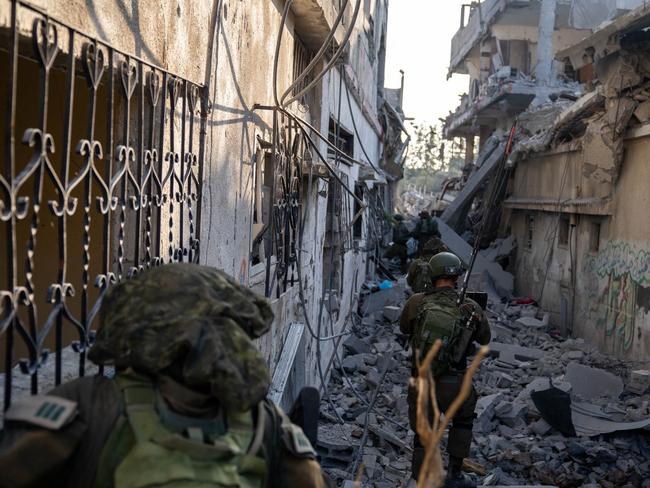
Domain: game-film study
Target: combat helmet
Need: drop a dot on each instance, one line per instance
(398, 217)
(445, 265)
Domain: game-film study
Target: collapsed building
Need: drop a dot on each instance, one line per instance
(578, 195)
(255, 137)
(570, 77)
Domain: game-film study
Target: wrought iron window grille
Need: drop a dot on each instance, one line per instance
(101, 178)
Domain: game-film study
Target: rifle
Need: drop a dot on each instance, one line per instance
(490, 203)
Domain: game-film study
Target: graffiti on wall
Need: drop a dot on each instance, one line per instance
(618, 285)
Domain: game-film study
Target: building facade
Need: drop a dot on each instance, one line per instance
(242, 135)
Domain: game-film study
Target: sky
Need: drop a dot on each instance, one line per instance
(419, 42)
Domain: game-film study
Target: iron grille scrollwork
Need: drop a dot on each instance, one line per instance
(289, 150)
(105, 183)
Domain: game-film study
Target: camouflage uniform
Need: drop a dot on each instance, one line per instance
(419, 273)
(185, 330)
(425, 230)
(401, 235)
(447, 384)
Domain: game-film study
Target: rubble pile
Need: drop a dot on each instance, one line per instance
(374, 363)
(607, 402)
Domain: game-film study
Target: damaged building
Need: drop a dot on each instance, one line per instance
(255, 137)
(569, 76)
(578, 194)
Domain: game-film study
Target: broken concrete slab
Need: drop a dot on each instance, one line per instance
(502, 281)
(375, 302)
(639, 381)
(484, 412)
(589, 383)
(590, 426)
(354, 345)
(514, 415)
(532, 322)
(488, 160)
(392, 313)
(353, 363)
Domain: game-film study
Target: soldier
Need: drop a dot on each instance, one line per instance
(425, 229)
(187, 405)
(419, 274)
(401, 235)
(436, 315)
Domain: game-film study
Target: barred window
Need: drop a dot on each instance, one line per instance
(101, 179)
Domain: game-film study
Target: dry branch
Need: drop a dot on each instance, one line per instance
(432, 473)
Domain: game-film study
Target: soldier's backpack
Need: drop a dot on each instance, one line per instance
(152, 446)
(419, 276)
(440, 318)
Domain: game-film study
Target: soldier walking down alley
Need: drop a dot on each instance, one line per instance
(425, 229)
(434, 315)
(401, 236)
(187, 405)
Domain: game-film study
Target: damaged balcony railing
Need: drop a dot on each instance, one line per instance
(101, 178)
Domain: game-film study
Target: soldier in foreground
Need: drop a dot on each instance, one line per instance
(436, 315)
(187, 406)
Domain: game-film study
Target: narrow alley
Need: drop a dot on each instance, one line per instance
(364, 422)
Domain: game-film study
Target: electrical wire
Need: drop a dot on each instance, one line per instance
(331, 62)
(321, 52)
(354, 125)
(278, 43)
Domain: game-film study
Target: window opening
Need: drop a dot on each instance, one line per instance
(530, 231)
(563, 231)
(340, 138)
(594, 237)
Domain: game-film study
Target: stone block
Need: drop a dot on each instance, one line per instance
(354, 345)
(352, 363)
(514, 415)
(589, 383)
(639, 381)
(392, 313)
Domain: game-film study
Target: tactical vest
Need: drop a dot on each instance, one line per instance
(440, 317)
(153, 454)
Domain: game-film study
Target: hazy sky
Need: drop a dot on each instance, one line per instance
(419, 41)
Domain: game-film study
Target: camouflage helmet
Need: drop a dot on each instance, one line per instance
(194, 318)
(445, 265)
(398, 217)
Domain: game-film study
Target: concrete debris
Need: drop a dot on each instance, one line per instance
(392, 313)
(514, 445)
(639, 381)
(354, 345)
(532, 322)
(589, 383)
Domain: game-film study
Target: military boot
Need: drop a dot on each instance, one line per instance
(459, 480)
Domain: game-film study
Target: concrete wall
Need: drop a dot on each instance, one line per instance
(175, 35)
(602, 284)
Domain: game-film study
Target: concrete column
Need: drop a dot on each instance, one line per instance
(469, 150)
(486, 60)
(544, 68)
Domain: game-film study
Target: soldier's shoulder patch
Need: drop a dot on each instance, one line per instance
(50, 412)
(296, 441)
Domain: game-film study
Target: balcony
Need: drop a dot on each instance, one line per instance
(506, 93)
